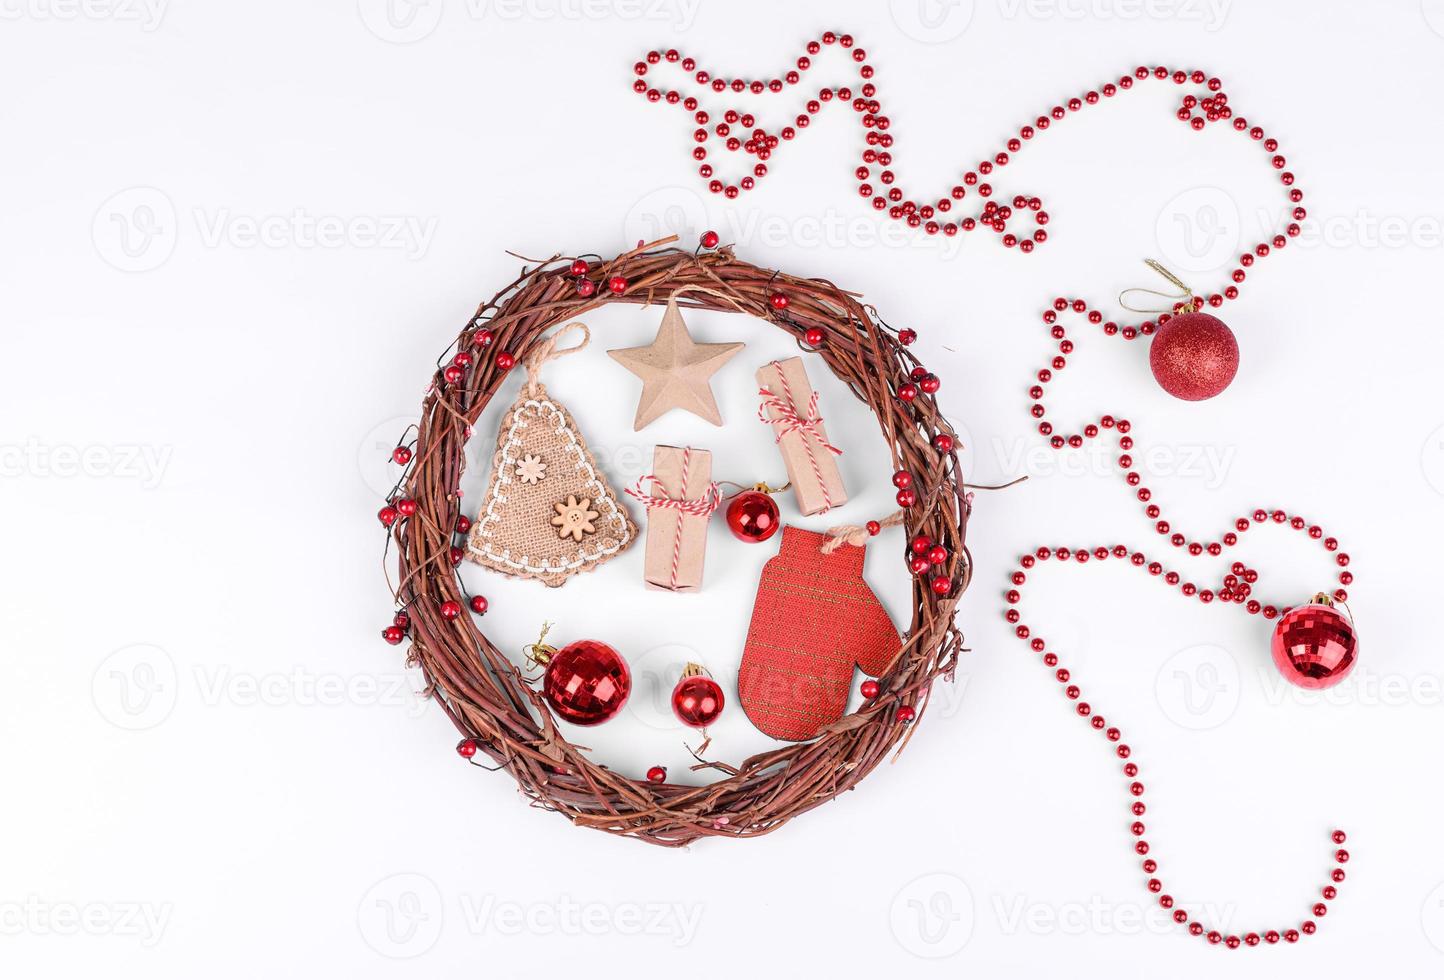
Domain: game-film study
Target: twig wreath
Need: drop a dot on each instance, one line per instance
(501, 717)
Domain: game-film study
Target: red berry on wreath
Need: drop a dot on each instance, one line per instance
(906, 713)
(902, 479)
(942, 585)
(506, 360)
(918, 373)
(921, 544)
(579, 267)
(814, 336)
(1314, 645)
(406, 507)
(393, 635)
(617, 284)
(402, 620)
(387, 516)
(657, 774)
(870, 689)
(907, 392)
(466, 748)
(906, 498)
(906, 336)
(943, 442)
(920, 564)
(401, 455)
(463, 524)
(463, 359)
(450, 609)
(753, 516)
(453, 374)
(930, 384)
(585, 287)
(874, 528)
(479, 605)
(456, 555)
(586, 682)
(709, 240)
(483, 338)
(1194, 356)
(937, 554)
(697, 699)
(779, 301)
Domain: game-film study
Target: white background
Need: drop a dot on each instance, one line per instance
(212, 764)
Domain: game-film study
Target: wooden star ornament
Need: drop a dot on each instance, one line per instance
(676, 371)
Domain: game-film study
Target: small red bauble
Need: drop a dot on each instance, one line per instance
(1314, 645)
(906, 713)
(506, 360)
(483, 338)
(462, 360)
(401, 455)
(456, 556)
(906, 498)
(450, 609)
(919, 564)
(1194, 356)
(874, 528)
(710, 239)
(907, 392)
(906, 336)
(930, 384)
(779, 301)
(586, 682)
(921, 544)
(870, 689)
(406, 507)
(937, 554)
(579, 267)
(902, 479)
(753, 516)
(479, 605)
(387, 516)
(393, 635)
(942, 585)
(943, 442)
(585, 287)
(657, 774)
(453, 374)
(463, 524)
(814, 336)
(466, 748)
(617, 284)
(697, 699)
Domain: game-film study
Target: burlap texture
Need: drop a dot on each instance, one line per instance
(513, 532)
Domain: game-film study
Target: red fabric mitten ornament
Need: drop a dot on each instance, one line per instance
(814, 619)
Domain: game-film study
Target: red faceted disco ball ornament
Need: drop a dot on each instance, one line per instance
(753, 516)
(1194, 356)
(586, 682)
(1314, 645)
(697, 699)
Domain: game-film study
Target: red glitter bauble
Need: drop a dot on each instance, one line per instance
(587, 682)
(1194, 356)
(1314, 645)
(697, 700)
(753, 516)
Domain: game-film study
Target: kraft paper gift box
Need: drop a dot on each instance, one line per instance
(677, 537)
(790, 405)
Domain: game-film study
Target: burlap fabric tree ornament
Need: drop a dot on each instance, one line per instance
(548, 513)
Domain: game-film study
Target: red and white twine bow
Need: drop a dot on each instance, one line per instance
(781, 414)
(703, 506)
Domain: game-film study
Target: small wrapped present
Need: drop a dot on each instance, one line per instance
(789, 405)
(679, 503)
